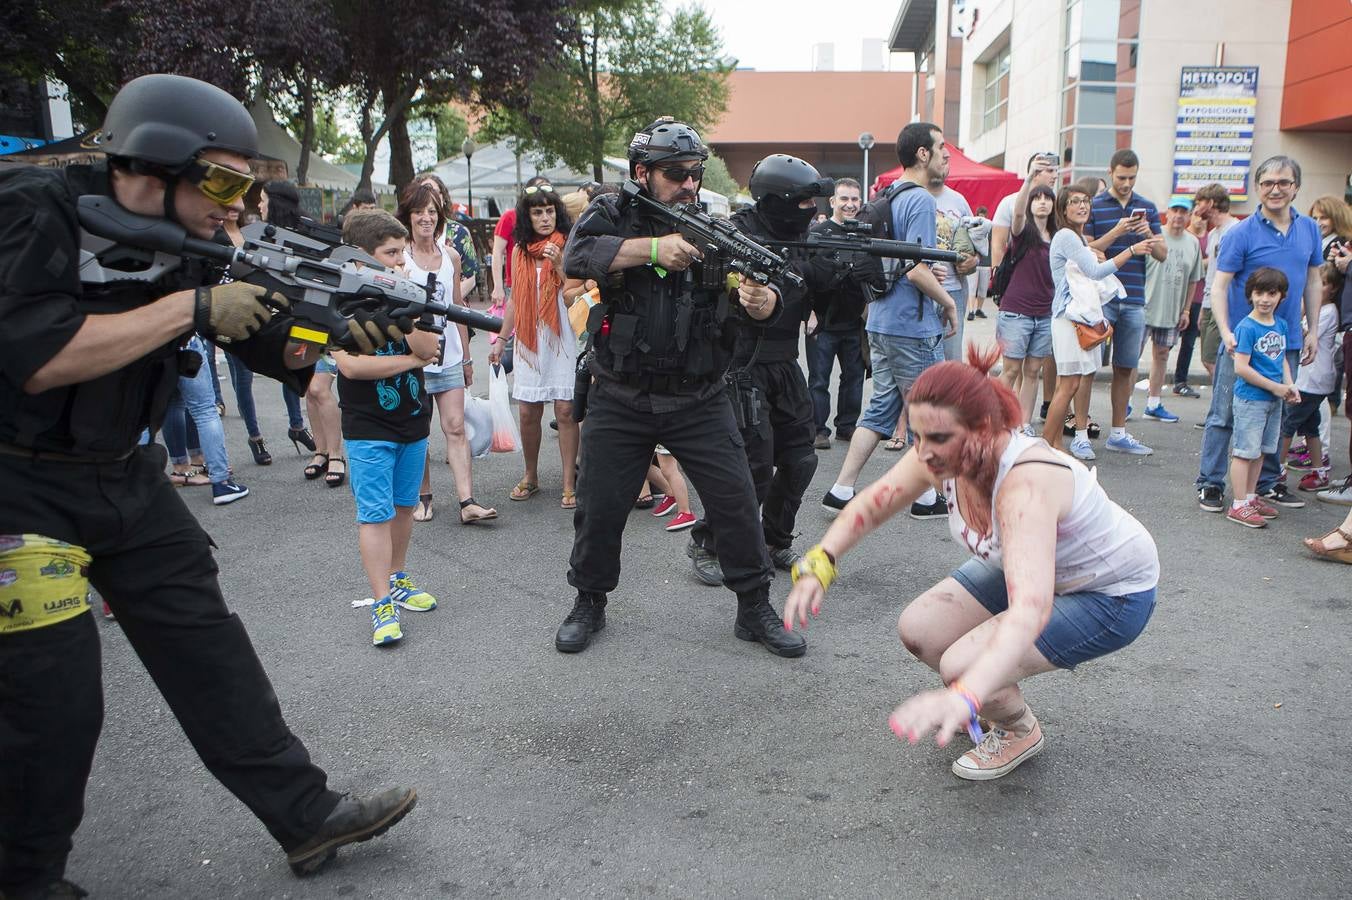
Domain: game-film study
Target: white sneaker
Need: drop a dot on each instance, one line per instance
(998, 754)
(1080, 448)
(1341, 496)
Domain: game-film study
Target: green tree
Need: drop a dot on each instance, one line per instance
(452, 129)
(630, 63)
(718, 178)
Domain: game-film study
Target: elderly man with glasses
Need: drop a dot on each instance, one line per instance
(1279, 236)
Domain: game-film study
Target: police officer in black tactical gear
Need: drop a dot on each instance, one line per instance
(84, 368)
(778, 445)
(660, 337)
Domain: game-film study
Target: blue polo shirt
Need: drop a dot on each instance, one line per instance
(1103, 215)
(1255, 242)
(904, 311)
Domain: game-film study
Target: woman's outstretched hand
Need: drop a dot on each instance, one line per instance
(941, 711)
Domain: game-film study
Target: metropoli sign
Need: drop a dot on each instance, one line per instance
(1213, 139)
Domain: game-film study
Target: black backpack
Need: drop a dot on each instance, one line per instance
(878, 214)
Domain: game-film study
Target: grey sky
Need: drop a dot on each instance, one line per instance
(779, 36)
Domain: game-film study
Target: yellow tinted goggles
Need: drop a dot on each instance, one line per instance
(220, 183)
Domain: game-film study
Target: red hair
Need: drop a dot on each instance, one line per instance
(983, 405)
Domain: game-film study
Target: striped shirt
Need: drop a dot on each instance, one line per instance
(1104, 214)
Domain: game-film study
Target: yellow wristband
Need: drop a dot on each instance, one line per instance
(816, 563)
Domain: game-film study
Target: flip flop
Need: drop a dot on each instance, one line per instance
(895, 444)
(524, 490)
(469, 518)
(423, 512)
(569, 500)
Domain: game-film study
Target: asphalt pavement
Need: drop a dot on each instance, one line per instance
(671, 759)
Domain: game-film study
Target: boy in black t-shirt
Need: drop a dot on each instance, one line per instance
(385, 419)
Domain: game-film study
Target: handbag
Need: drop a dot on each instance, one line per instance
(1090, 336)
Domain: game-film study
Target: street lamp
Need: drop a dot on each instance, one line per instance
(469, 148)
(866, 144)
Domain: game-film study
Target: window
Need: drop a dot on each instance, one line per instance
(995, 96)
(1098, 81)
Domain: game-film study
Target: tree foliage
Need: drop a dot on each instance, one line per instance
(717, 178)
(628, 63)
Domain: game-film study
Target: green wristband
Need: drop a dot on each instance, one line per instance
(654, 256)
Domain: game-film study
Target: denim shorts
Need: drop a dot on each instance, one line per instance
(384, 474)
(1023, 336)
(1257, 428)
(1084, 625)
(897, 363)
(326, 365)
(1128, 321)
(448, 379)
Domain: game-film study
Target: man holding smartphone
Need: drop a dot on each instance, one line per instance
(1119, 218)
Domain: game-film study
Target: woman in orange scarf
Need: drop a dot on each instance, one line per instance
(546, 351)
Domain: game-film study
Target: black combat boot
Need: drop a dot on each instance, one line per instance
(353, 819)
(758, 621)
(587, 618)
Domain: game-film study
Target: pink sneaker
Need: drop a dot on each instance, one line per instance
(682, 521)
(1247, 516)
(667, 505)
(1263, 508)
(998, 754)
(1316, 480)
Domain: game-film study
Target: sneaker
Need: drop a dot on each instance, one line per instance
(998, 754)
(1080, 448)
(223, 492)
(385, 622)
(1027, 431)
(1316, 480)
(1125, 443)
(1184, 389)
(408, 595)
(1246, 515)
(1263, 509)
(108, 611)
(682, 521)
(1299, 461)
(783, 557)
(667, 506)
(706, 566)
(353, 820)
(1342, 496)
(821, 442)
(936, 510)
(1298, 448)
(1281, 495)
(980, 314)
(833, 504)
(1160, 414)
(971, 316)
(1211, 498)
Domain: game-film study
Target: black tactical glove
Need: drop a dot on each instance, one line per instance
(234, 311)
(370, 329)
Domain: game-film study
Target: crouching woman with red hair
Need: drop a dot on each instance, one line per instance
(1059, 573)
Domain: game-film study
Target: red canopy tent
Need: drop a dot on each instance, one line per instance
(982, 185)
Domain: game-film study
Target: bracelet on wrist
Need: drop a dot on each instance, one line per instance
(973, 709)
(817, 563)
(653, 261)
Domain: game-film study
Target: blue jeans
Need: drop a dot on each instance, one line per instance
(1220, 423)
(823, 349)
(1128, 321)
(198, 399)
(953, 345)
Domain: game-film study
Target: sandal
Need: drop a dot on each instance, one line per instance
(423, 512)
(896, 443)
(317, 468)
(472, 511)
(193, 476)
(569, 500)
(332, 478)
(645, 501)
(524, 490)
(1341, 554)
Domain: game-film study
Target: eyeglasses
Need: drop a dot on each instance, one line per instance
(678, 174)
(539, 189)
(221, 184)
(1284, 184)
(1079, 201)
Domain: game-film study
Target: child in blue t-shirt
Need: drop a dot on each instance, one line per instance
(1263, 382)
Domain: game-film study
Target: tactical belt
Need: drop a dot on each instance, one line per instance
(668, 384)
(52, 456)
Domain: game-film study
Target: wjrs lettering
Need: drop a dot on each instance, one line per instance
(12, 609)
(56, 606)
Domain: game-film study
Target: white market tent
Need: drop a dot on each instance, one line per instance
(274, 141)
(499, 173)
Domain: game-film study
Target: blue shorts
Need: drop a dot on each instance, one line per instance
(326, 365)
(448, 379)
(1084, 625)
(1023, 336)
(897, 363)
(1128, 321)
(1257, 427)
(384, 475)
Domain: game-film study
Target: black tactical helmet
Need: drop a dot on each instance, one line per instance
(788, 178)
(666, 140)
(168, 119)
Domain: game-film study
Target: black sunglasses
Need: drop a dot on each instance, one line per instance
(678, 174)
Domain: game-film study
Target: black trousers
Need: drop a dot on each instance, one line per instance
(152, 562)
(779, 451)
(617, 447)
(1186, 341)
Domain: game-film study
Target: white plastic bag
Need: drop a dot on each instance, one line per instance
(478, 426)
(1087, 295)
(506, 437)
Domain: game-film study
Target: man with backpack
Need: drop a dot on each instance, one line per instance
(908, 323)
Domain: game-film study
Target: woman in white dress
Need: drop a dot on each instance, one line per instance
(546, 352)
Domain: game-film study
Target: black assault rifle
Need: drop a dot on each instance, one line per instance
(855, 239)
(325, 286)
(717, 237)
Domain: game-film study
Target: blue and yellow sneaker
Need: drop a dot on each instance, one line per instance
(408, 595)
(385, 622)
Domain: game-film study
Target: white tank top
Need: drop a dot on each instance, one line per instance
(1099, 545)
(452, 353)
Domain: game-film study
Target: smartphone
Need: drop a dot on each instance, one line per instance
(1051, 159)
(1138, 213)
